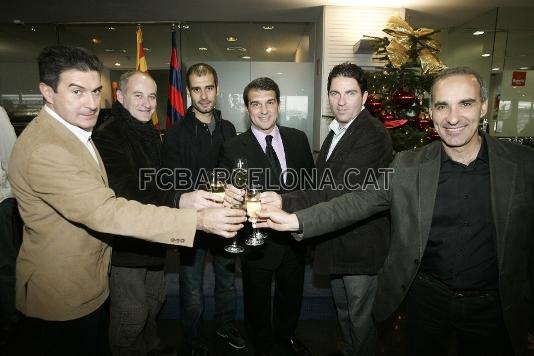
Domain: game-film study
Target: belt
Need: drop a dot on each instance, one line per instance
(460, 293)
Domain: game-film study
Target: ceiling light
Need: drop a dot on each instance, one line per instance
(269, 49)
(241, 49)
(95, 40)
(111, 28)
(117, 64)
(202, 49)
(184, 26)
(486, 54)
(33, 29)
(245, 57)
(268, 27)
(231, 39)
(496, 68)
(523, 68)
(478, 33)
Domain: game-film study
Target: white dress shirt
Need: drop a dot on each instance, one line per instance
(81, 134)
(338, 133)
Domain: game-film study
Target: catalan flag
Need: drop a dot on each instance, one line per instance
(140, 65)
(175, 101)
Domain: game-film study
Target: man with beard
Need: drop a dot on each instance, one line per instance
(194, 143)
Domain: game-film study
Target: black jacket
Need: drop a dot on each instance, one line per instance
(189, 144)
(298, 158)
(127, 145)
(361, 247)
(410, 197)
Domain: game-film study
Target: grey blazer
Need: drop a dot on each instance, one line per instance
(411, 195)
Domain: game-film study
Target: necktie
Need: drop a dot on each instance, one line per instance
(272, 157)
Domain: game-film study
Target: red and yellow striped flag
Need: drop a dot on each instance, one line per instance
(140, 65)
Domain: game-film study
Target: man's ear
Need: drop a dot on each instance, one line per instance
(120, 96)
(47, 92)
(484, 108)
(364, 97)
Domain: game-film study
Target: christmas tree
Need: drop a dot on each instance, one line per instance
(399, 94)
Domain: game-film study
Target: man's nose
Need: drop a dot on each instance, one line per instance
(93, 101)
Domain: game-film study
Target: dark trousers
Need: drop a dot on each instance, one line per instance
(288, 284)
(435, 315)
(85, 336)
(10, 240)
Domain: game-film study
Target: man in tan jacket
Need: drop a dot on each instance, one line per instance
(63, 195)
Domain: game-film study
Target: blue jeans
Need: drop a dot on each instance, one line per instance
(354, 296)
(435, 314)
(9, 246)
(137, 294)
(192, 262)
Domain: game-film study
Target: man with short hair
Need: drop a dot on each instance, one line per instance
(68, 209)
(194, 143)
(271, 151)
(128, 144)
(462, 227)
(355, 148)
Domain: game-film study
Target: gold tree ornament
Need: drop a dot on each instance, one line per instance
(408, 43)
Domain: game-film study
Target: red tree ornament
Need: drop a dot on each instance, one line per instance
(403, 99)
(374, 105)
(423, 120)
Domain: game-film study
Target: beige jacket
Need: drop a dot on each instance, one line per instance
(67, 208)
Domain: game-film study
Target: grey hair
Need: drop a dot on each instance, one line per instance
(123, 80)
(449, 72)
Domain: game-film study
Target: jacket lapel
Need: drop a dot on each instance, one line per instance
(363, 115)
(427, 189)
(102, 168)
(504, 171)
(321, 157)
(74, 144)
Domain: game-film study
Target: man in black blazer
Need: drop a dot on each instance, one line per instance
(356, 147)
(270, 150)
(462, 228)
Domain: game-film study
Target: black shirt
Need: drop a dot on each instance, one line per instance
(461, 249)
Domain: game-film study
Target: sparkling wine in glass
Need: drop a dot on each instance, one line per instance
(253, 206)
(217, 184)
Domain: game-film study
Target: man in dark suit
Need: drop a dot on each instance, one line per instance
(462, 227)
(351, 256)
(271, 150)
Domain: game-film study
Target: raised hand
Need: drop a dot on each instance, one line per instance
(200, 199)
(271, 198)
(233, 196)
(277, 219)
(224, 222)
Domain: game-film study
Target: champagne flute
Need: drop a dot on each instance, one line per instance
(253, 206)
(239, 173)
(239, 180)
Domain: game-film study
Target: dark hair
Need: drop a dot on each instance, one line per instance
(55, 60)
(348, 70)
(262, 83)
(449, 72)
(200, 69)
